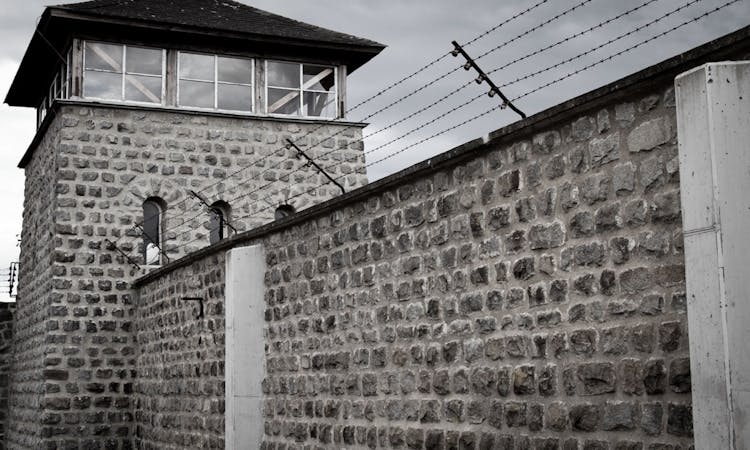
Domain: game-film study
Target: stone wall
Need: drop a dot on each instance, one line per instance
(532, 296)
(524, 292)
(7, 311)
(75, 367)
(179, 392)
(26, 425)
(527, 294)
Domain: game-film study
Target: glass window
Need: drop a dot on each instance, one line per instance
(152, 217)
(301, 89)
(119, 72)
(218, 221)
(215, 82)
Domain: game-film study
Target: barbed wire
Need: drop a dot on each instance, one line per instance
(600, 46)
(521, 96)
(309, 190)
(533, 29)
(390, 105)
(631, 48)
(573, 36)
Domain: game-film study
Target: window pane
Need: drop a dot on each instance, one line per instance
(319, 104)
(283, 101)
(103, 57)
(144, 60)
(151, 232)
(151, 222)
(235, 70)
(216, 225)
(318, 78)
(235, 98)
(196, 93)
(143, 89)
(102, 85)
(197, 67)
(283, 74)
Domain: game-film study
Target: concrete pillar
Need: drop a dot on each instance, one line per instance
(245, 352)
(713, 122)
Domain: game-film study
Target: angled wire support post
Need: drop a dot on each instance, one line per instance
(200, 198)
(12, 278)
(458, 50)
(310, 161)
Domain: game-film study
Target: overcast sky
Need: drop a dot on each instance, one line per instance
(417, 32)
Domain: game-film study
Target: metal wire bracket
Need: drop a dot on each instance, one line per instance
(12, 279)
(494, 90)
(205, 203)
(310, 161)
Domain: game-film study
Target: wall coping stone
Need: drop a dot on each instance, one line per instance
(662, 72)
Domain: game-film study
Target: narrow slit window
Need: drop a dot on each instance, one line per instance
(215, 82)
(301, 89)
(218, 222)
(123, 73)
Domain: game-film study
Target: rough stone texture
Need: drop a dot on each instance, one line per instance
(7, 311)
(179, 391)
(528, 294)
(34, 306)
(551, 352)
(76, 346)
(422, 338)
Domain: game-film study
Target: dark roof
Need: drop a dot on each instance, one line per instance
(200, 25)
(224, 15)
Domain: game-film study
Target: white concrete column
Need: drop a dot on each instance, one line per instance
(244, 365)
(713, 122)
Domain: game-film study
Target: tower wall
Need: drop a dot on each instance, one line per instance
(77, 355)
(35, 298)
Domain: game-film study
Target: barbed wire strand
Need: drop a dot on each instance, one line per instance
(442, 57)
(574, 36)
(367, 100)
(587, 67)
(600, 46)
(408, 95)
(621, 52)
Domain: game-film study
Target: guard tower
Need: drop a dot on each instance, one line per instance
(161, 129)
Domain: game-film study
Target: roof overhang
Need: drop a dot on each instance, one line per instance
(57, 28)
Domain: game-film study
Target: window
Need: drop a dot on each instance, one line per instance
(300, 89)
(152, 227)
(215, 82)
(283, 211)
(59, 88)
(219, 221)
(123, 72)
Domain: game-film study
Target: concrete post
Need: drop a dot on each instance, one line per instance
(713, 122)
(245, 351)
